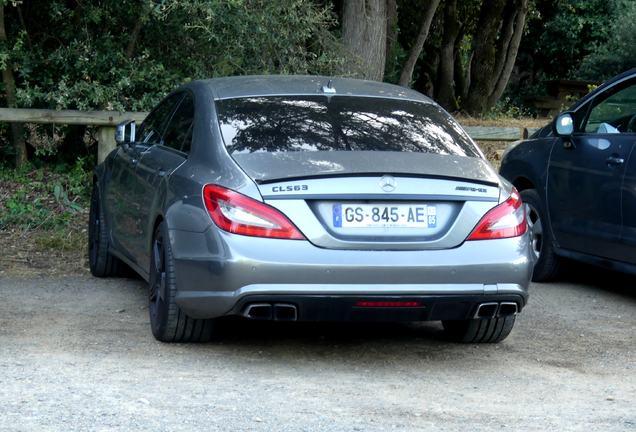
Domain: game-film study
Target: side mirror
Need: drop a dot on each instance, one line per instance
(125, 133)
(564, 125)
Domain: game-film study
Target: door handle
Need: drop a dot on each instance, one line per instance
(613, 160)
(160, 172)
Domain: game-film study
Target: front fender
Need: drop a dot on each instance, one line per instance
(526, 165)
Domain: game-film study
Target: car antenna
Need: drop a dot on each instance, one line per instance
(328, 88)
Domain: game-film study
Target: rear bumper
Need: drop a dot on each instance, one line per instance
(343, 307)
(220, 274)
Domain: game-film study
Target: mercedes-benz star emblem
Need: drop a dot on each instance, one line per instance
(387, 183)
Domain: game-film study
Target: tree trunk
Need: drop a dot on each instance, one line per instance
(427, 81)
(77, 13)
(469, 66)
(511, 54)
(143, 15)
(483, 63)
(458, 70)
(364, 35)
(24, 28)
(391, 28)
(446, 94)
(9, 91)
(460, 79)
(409, 64)
(503, 41)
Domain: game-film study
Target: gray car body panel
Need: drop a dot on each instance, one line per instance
(264, 167)
(236, 87)
(460, 206)
(215, 269)
(219, 269)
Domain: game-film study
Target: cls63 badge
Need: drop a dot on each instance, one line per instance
(295, 188)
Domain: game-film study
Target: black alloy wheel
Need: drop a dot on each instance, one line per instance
(546, 262)
(535, 229)
(168, 322)
(101, 262)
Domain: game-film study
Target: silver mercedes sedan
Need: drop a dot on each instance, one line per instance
(303, 198)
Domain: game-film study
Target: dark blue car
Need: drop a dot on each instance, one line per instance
(577, 178)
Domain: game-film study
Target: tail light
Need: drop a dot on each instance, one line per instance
(238, 214)
(506, 220)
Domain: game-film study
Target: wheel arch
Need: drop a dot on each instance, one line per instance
(522, 183)
(158, 219)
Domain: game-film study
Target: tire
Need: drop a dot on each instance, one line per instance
(547, 264)
(102, 263)
(479, 330)
(168, 322)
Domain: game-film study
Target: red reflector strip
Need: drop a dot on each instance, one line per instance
(388, 304)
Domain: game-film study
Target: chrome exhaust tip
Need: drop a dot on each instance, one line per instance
(258, 311)
(507, 309)
(285, 312)
(486, 311)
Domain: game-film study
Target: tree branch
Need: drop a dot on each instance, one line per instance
(511, 56)
(28, 38)
(416, 50)
(445, 96)
(503, 42)
(130, 49)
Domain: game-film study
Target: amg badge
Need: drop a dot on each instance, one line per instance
(470, 189)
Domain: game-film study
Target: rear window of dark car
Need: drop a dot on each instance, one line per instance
(339, 123)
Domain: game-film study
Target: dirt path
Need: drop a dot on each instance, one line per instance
(77, 354)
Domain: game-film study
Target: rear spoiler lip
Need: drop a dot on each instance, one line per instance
(372, 174)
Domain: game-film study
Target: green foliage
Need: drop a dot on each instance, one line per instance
(24, 213)
(506, 109)
(259, 36)
(570, 31)
(566, 39)
(76, 180)
(82, 57)
(618, 53)
(39, 200)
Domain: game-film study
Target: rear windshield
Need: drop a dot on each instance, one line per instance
(340, 123)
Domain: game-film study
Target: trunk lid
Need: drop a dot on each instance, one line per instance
(271, 167)
(424, 202)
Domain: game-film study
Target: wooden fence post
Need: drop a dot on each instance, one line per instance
(106, 142)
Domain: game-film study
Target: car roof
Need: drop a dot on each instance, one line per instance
(287, 85)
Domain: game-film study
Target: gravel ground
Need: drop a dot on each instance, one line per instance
(76, 354)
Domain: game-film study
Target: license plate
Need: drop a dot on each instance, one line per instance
(372, 216)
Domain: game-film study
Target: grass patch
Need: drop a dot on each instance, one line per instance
(47, 206)
(65, 239)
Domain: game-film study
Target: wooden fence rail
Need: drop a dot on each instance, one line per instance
(108, 120)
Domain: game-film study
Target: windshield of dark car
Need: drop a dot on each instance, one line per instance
(344, 123)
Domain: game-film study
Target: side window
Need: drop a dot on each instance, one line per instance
(187, 143)
(179, 128)
(579, 117)
(152, 130)
(614, 111)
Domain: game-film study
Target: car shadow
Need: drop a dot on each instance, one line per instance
(597, 277)
(233, 329)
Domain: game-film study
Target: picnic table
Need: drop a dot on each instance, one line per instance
(556, 101)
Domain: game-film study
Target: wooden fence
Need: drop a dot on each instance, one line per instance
(108, 121)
